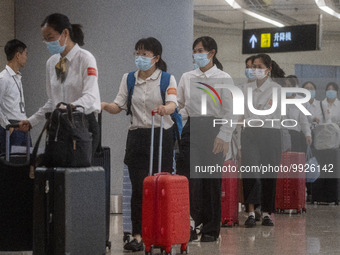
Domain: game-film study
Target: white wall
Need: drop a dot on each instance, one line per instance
(230, 52)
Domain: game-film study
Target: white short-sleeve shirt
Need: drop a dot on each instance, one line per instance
(145, 98)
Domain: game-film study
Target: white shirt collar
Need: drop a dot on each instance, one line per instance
(72, 52)
(11, 71)
(153, 76)
(208, 73)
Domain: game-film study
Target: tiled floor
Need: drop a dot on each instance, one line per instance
(314, 232)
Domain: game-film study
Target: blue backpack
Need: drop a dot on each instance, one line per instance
(165, 81)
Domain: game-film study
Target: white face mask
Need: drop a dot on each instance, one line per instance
(260, 73)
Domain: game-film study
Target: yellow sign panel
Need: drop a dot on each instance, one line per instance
(265, 40)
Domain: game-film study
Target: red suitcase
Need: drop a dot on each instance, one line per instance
(166, 208)
(229, 197)
(290, 186)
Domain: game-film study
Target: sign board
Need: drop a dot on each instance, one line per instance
(282, 39)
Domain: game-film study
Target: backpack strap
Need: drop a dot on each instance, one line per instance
(165, 81)
(130, 82)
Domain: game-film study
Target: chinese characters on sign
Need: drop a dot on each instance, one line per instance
(284, 39)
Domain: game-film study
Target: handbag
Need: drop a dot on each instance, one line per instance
(312, 166)
(68, 140)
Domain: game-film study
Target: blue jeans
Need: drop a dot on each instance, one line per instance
(17, 137)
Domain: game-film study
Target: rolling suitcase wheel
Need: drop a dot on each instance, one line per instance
(184, 249)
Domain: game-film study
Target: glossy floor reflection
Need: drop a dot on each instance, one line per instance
(314, 232)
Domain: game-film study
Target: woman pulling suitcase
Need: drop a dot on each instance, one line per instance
(146, 97)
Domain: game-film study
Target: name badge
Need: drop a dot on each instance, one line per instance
(22, 107)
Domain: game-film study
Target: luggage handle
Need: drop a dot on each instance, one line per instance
(15, 124)
(154, 112)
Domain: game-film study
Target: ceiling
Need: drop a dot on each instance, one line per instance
(218, 14)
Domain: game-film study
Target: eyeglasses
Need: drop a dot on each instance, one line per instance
(143, 54)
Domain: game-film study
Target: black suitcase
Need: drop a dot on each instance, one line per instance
(326, 189)
(16, 201)
(69, 211)
(102, 157)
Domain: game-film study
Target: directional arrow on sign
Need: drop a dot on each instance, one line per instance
(253, 40)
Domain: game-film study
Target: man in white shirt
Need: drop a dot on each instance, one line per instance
(12, 104)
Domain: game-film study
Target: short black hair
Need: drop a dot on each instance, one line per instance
(12, 47)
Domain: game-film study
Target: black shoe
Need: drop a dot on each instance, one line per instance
(208, 238)
(250, 222)
(257, 215)
(134, 246)
(267, 221)
(193, 235)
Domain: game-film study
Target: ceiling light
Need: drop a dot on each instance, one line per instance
(322, 5)
(255, 15)
(235, 5)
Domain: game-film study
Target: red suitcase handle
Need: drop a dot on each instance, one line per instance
(154, 112)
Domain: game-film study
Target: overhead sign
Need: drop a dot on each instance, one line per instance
(283, 39)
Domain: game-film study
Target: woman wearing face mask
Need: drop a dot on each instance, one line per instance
(261, 144)
(301, 133)
(249, 70)
(203, 145)
(313, 106)
(145, 98)
(71, 73)
(331, 104)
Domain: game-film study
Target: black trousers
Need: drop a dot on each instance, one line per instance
(205, 194)
(137, 158)
(94, 129)
(298, 140)
(260, 146)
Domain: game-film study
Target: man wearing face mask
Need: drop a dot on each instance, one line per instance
(71, 73)
(12, 104)
(331, 104)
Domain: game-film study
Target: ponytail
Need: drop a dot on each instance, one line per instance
(217, 63)
(277, 71)
(77, 34)
(161, 64)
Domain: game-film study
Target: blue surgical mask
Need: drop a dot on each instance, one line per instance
(195, 66)
(54, 46)
(312, 94)
(201, 59)
(331, 94)
(143, 63)
(249, 74)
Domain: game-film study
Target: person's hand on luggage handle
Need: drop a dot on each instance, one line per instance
(165, 109)
(220, 146)
(309, 140)
(24, 125)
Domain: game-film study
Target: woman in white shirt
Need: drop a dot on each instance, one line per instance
(71, 73)
(146, 97)
(201, 144)
(313, 106)
(331, 104)
(298, 139)
(261, 141)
